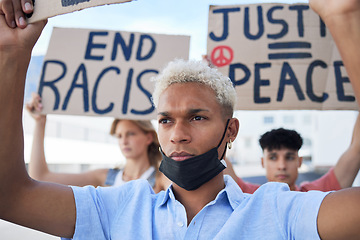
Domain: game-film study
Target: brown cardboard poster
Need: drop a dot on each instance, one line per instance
(279, 56)
(105, 73)
(44, 9)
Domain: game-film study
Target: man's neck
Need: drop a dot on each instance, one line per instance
(292, 187)
(195, 200)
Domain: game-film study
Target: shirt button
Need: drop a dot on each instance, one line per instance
(180, 224)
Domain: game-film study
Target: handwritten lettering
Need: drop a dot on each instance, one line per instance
(67, 3)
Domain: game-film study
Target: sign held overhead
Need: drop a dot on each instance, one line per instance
(279, 56)
(44, 9)
(105, 73)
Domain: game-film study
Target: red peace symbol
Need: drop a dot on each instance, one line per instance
(222, 55)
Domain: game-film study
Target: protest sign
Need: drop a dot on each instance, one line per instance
(44, 9)
(279, 56)
(107, 73)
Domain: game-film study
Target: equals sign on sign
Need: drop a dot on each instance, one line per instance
(292, 50)
(67, 3)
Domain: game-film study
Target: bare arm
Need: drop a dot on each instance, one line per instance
(342, 19)
(339, 214)
(38, 168)
(43, 206)
(348, 165)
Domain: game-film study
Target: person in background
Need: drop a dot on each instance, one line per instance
(281, 161)
(138, 143)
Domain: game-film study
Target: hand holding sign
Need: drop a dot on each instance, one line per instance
(45, 8)
(280, 56)
(15, 10)
(34, 107)
(322, 7)
(105, 72)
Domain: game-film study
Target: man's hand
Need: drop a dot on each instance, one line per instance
(15, 10)
(333, 8)
(19, 39)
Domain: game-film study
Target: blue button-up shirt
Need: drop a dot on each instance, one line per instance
(134, 211)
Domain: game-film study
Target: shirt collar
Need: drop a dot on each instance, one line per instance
(167, 194)
(232, 191)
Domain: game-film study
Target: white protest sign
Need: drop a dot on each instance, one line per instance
(44, 9)
(107, 73)
(279, 56)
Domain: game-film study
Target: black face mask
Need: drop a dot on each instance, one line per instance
(192, 173)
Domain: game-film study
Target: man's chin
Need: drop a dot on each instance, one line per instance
(281, 181)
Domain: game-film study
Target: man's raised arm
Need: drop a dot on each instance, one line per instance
(342, 19)
(42, 206)
(348, 165)
(339, 213)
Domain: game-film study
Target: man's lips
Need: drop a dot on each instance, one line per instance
(180, 156)
(282, 176)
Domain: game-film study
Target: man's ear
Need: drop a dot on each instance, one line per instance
(262, 162)
(233, 129)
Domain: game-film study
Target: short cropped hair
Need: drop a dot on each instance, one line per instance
(281, 138)
(181, 71)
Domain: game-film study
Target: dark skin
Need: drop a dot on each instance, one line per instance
(15, 12)
(182, 127)
(340, 210)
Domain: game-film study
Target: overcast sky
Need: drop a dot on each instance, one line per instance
(179, 17)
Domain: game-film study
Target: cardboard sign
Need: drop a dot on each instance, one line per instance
(107, 73)
(44, 9)
(279, 56)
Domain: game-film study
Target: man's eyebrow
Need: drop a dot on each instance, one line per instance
(190, 112)
(197, 110)
(164, 114)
